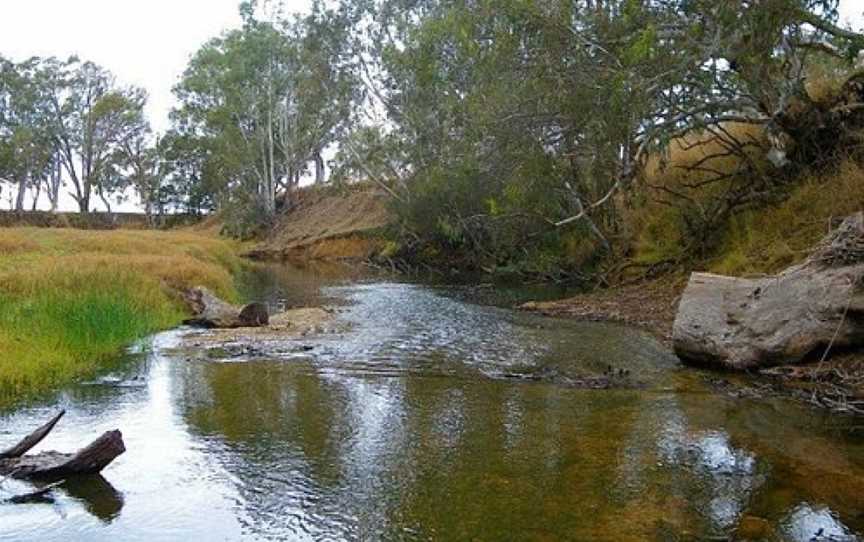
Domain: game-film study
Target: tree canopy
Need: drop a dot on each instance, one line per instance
(499, 128)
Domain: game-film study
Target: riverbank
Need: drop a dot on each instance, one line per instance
(328, 224)
(649, 305)
(835, 384)
(71, 299)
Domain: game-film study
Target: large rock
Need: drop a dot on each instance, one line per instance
(740, 323)
(210, 311)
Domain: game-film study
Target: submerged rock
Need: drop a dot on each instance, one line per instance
(740, 323)
(210, 311)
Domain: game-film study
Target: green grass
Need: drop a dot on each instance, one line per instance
(70, 300)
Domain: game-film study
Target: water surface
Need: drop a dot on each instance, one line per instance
(429, 417)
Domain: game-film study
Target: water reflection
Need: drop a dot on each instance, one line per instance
(726, 475)
(400, 429)
(808, 524)
(97, 495)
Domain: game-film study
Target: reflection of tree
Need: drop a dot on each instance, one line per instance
(393, 433)
(497, 461)
(258, 404)
(289, 286)
(734, 459)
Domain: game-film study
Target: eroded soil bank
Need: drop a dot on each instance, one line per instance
(328, 226)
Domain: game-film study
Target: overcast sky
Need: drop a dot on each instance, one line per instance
(146, 42)
(143, 42)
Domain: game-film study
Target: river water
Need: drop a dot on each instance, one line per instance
(429, 417)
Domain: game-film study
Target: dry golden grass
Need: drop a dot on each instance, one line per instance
(16, 242)
(672, 170)
(685, 180)
(825, 81)
(70, 299)
(770, 239)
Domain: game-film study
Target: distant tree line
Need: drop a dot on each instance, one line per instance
(69, 125)
(504, 130)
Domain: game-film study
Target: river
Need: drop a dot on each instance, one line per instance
(427, 416)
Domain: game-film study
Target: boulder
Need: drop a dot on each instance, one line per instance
(210, 311)
(744, 323)
(254, 315)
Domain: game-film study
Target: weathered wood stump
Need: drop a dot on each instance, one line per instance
(210, 311)
(739, 323)
(55, 465)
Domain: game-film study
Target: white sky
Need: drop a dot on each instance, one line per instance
(143, 42)
(147, 42)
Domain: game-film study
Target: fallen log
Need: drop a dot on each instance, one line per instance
(32, 439)
(210, 311)
(55, 465)
(808, 309)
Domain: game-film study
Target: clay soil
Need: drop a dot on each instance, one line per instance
(328, 225)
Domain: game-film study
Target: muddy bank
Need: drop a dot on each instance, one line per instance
(283, 335)
(328, 225)
(835, 384)
(650, 306)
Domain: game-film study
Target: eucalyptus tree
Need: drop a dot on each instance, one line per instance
(27, 148)
(538, 114)
(140, 164)
(263, 102)
(93, 117)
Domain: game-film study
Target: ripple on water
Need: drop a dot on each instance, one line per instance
(400, 427)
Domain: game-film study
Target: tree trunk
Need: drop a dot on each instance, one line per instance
(22, 191)
(107, 204)
(83, 203)
(37, 191)
(32, 439)
(54, 465)
(319, 168)
(55, 180)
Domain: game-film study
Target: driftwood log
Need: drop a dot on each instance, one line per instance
(210, 311)
(807, 310)
(48, 466)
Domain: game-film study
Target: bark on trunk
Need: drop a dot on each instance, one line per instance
(55, 466)
(319, 168)
(809, 309)
(22, 191)
(32, 439)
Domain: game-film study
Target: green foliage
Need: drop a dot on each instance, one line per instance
(510, 117)
(257, 105)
